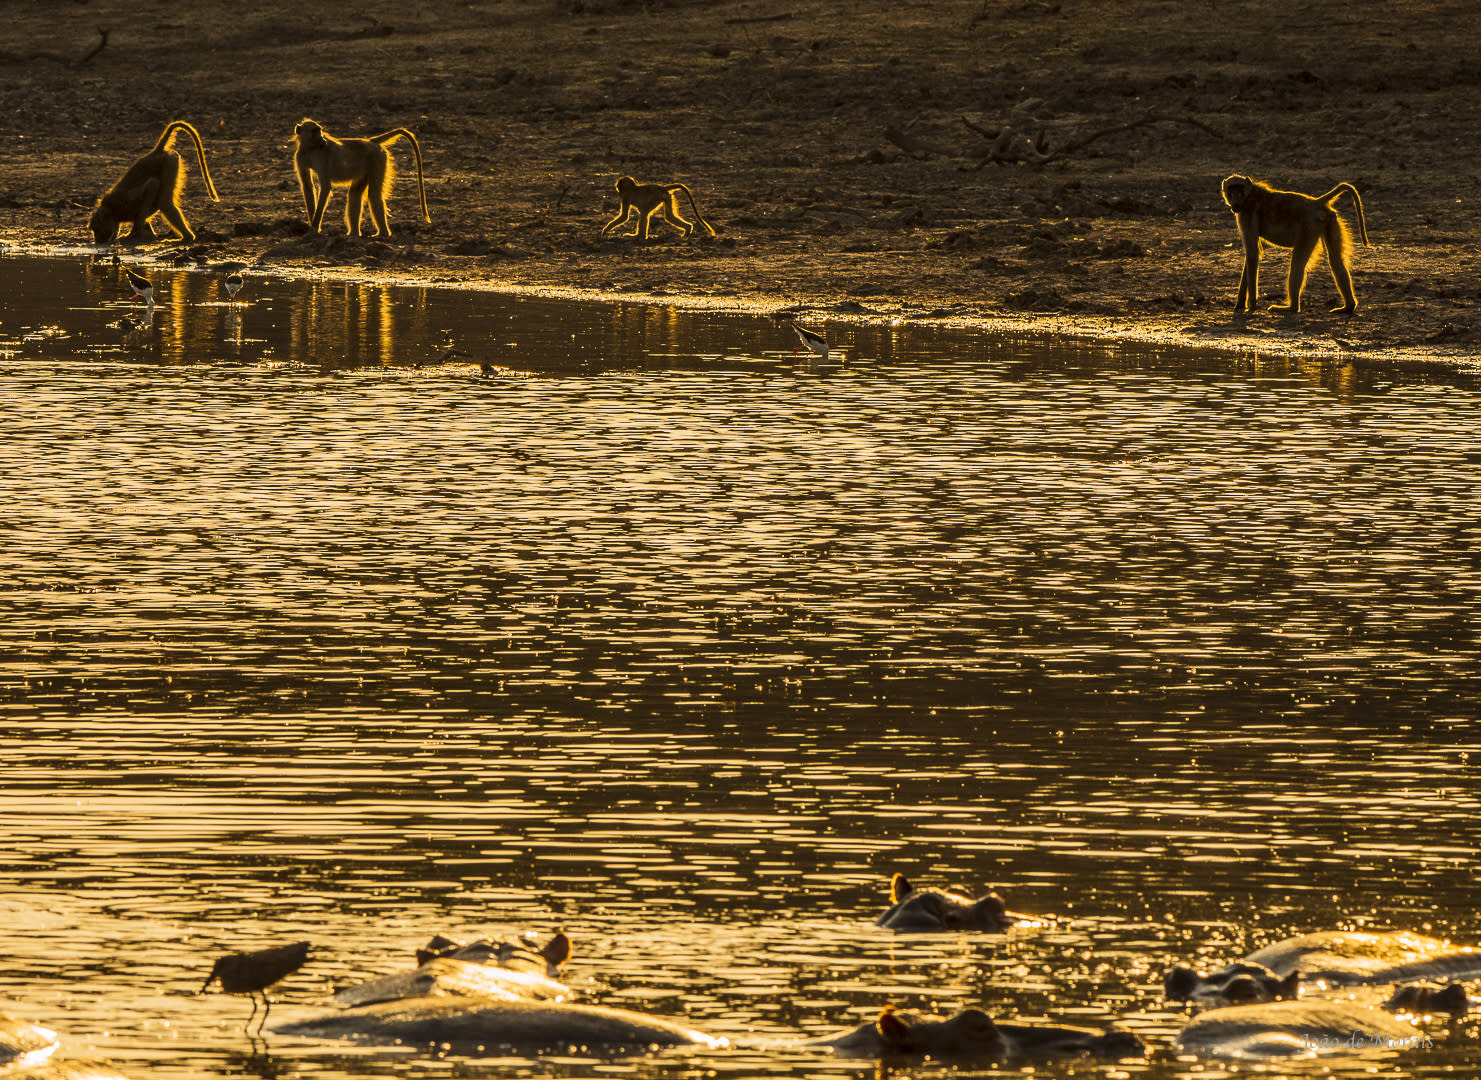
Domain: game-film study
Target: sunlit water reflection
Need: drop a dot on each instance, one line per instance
(311, 628)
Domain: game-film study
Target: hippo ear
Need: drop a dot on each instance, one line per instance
(899, 888)
(1289, 988)
(1180, 983)
(1452, 999)
(991, 909)
(895, 1031)
(557, 950)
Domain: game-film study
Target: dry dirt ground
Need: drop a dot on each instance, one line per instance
(998, 162)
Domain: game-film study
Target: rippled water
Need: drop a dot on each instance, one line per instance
(659, 634)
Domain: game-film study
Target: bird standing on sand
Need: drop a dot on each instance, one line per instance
(816, 343)
(140, 284)
(232, 283)
(251, 973)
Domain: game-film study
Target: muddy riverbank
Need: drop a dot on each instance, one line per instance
(1053, 165)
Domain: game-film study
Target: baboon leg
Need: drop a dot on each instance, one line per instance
(1344, 285)
(320, 205)
(1337, 260)
(355, 208)
(674, 219)
(623, 217)
(146, 198)
(1296, 276)
(170, 208)
(1249, 276)
(140, 232)
(376, 197)
(177, 222)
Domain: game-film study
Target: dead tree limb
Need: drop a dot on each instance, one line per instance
(99, 47)
(916, 147)
(1009, 145)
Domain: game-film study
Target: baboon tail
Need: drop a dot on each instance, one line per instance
(697, 215)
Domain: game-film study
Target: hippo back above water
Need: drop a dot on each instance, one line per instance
(972, 1035)
(480, 1025)
(932, 910)
(1297, 1029)
(449, 978)
(26, 1051)
(23, 1043)
(1335, 957)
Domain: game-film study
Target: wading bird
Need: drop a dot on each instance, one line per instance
(251, 973)
(816, 343)
(140, 284)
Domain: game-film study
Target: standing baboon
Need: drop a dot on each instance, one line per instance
(645, 200)
(152, 185)
(364, 164)
(1299, 222)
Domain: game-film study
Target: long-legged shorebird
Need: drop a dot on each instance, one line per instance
(816, 344)
(251, 973)
(232, 283)
(140, 284)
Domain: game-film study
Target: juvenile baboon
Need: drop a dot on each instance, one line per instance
(1299, 222)
(152, 185)
(645, 200)
(364, 164)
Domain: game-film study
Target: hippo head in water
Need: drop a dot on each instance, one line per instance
(510, 955)
(927, 910)
(1429, 998)
(1238, 984)
(972, 1035)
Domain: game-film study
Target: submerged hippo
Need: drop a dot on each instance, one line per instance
(26, 1054)
(23, 1043)
(1335, 957)
(506, 970)
(1420, 999)
(972, 1035)
(69, 1069)
(1296, 1029)
(927, 910)
(483, 1025)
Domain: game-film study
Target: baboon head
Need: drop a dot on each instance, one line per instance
(309, 133)
(104, 226)
(1236, 190)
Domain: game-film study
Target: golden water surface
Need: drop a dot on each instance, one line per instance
(310, 627)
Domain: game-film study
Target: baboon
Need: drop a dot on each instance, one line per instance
(646, 200)
(152, 185)
(1299, 222)
(364, 164)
